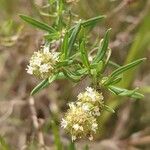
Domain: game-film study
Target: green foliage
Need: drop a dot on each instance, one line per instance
(38, 24)
(114, 77)
(125, 92)
(103, 47)
(73, 42)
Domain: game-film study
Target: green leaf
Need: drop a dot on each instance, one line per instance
(122, 69)
(52, 78)
(84, 54)
(102, 48)
(38, 24)
(61, 76)
(82, 72)
(57, 140)
(40, 86)
(109, 109)
(52, 36)
(112, 82)
(92, 21)
(72, 76)
(64, 63)
(98, 66)
(113, 64)
(73, 37)
(64, 47)
(124, 92)
(44, 84)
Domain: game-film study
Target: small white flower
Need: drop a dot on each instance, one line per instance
(91, 93)
(94, 127)
(79, 103)
(73, 138)
(90, 58)
(91, 138)
(64, 123)
(96, 111)
(92, 96)
(76, 127)
(29, 69)
(85, 107)
(71, 105)
(81, 128)
(37, 61)
(46, 49)
(89, 89)
(80, 96)
(44, 68)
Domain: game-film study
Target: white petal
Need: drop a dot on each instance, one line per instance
(76, 127)
(91, 138)
(44, 68)
(73, 138)
(64, 123)
(29, 70)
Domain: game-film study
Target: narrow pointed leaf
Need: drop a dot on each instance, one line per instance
(113, 64)
(125, 92)
(98, 66)
(52, 78)
(72, 76)
(40, 86)
(103, 47)
(44, 84)
(38, 24)
(64, 48)
(112, 82)
(122, 69)
(109, 109)
(92, 21)
(64, 63)
(73, 37)
(82, 72)
(84, 54)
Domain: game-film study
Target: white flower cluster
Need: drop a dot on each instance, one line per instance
(81, 119)
(42, 63)
(91, 101)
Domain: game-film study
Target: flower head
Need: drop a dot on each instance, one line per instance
(91, 100)
(81, 119)
(42, 63)
(79, 123)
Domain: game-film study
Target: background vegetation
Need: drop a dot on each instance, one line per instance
(24, 125)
